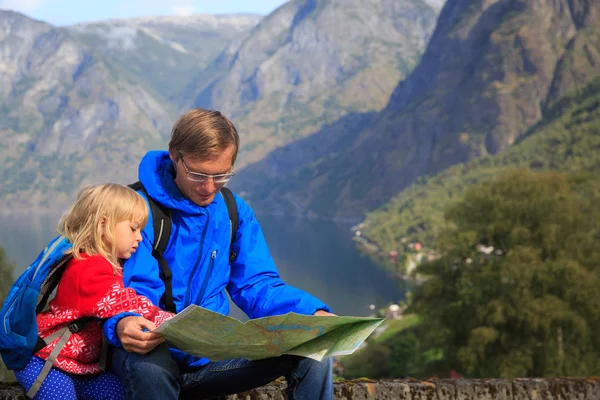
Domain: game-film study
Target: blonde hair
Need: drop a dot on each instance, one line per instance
(82, 223)
(203, 134)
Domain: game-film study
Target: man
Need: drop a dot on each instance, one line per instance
(187, 179)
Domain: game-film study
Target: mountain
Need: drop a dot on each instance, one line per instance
(165, 53)
(311, 62)
(492, 70)
(567, 139)
(67, 117)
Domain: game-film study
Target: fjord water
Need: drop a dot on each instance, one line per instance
(315, 256)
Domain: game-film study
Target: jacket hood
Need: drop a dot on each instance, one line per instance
(157, 174)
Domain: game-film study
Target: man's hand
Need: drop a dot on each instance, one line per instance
(324, 313)
(134, 339)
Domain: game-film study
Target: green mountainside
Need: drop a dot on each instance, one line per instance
(491, 71)
(567, 139)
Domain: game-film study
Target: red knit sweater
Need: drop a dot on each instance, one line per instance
(89, 288)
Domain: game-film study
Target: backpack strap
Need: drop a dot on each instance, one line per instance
(233, 219)
(51, 282)
(64, 334)
(46, 288)
(162, 223)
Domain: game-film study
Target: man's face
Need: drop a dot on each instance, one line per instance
(202, 193)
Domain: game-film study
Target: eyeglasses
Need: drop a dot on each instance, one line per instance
(199, 177)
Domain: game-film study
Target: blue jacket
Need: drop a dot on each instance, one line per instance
(199, 245)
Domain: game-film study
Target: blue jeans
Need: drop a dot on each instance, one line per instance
(157, 376)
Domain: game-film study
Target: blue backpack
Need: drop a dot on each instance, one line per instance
(27, 297)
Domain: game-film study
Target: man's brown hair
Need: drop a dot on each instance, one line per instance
(203, 134)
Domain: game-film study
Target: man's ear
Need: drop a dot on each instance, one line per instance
(172, 155)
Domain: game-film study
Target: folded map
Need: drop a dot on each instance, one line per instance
(205, 333)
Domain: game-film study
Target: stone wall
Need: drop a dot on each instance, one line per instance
(437, 389)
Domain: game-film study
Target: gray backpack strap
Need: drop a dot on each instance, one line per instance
(65, 334)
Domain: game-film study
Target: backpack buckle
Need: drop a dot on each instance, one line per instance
(75, 327)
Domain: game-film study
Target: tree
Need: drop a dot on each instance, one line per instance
(372, 362)
(515, 290)
(398, 355)
(6, 280)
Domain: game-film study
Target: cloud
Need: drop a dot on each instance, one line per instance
(21, 5)
(184, 10)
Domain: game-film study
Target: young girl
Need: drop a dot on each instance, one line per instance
(104, 226)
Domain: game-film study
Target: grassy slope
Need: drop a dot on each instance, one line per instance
(567, 139)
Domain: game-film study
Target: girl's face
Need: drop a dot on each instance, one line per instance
(127, 238)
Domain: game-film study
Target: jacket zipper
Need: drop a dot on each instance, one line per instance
(189, 286)
(213, 256)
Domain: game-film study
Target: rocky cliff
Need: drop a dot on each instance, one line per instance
(83, 103)
(66, 116)
(165, 53)
(311, 62)
(490, 72)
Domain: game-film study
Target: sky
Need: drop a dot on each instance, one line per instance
(68, 12)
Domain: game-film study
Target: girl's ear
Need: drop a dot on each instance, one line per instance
(102, 224)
